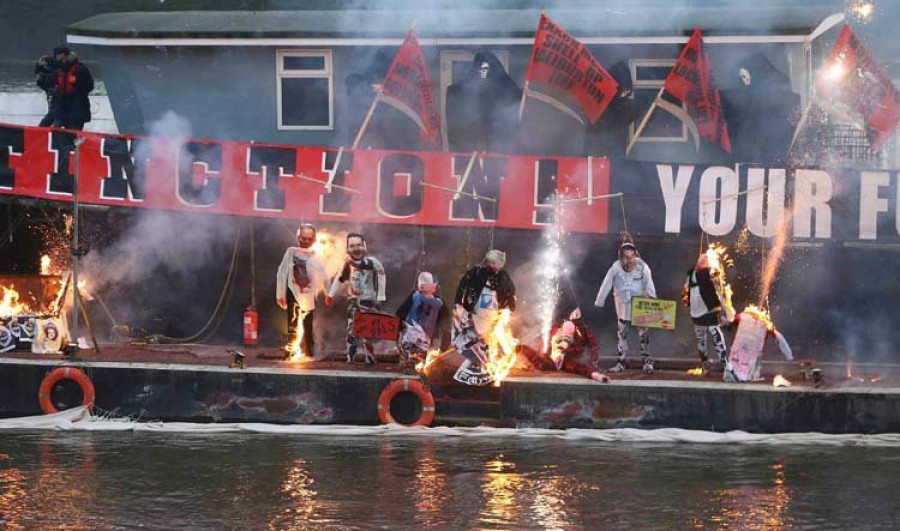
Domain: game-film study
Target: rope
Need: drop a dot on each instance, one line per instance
(225, 289)
(624, 219)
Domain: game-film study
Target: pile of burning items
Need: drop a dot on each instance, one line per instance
(31, 317)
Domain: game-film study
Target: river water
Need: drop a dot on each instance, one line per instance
(159, 480)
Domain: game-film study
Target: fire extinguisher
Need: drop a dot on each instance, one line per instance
(251, 326)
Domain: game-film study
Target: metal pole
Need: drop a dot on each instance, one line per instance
(252, 265)
(75, 251)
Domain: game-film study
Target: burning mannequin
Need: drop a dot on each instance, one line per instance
(483, 293)
(300, 276)
(423, 314)
(754, 329)
(570, 337)
(365, 283)
(707, 294)
(628, 277)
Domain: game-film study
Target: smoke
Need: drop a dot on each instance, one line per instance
(160, 254)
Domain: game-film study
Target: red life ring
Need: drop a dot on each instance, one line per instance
(65, 373)
(407, 385)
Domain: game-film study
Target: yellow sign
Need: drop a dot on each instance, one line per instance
(653, 313)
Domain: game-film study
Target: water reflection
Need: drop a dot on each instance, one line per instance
(297, 485)
(96, 481)
(752, 506)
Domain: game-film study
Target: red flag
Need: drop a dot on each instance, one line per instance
(564, 70)
(407, 87)
(852, 79)
(690, 81)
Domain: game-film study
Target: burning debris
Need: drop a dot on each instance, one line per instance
(780, 381)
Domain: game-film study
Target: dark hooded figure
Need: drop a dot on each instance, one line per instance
(761, 112)
(482, 108)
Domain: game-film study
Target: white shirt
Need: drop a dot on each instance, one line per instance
(305, 296)
(626, 284)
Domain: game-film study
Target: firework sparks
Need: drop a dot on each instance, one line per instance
(773, 261)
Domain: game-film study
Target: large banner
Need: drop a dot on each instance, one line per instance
(815, 205)
(311, 183)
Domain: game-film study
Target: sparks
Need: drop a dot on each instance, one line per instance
(45, 265)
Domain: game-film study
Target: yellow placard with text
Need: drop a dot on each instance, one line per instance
(653, 313)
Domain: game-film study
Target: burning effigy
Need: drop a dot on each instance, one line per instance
(707, 294)
(754, 327)
(482, 315)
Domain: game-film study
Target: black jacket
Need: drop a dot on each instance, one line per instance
(472, 283)
(74, 102)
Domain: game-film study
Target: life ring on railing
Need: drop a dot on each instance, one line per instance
(65, 373)
(406, 385)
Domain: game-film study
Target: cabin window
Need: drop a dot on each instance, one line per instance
(305, 85)
(647, 77)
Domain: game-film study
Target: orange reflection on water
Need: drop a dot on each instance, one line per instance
(500, 487)
(748, 507)
(298, 486)
(430, 488)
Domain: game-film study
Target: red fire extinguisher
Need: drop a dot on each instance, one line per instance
(251, 326)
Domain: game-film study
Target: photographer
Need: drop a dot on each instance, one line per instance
(45, 71)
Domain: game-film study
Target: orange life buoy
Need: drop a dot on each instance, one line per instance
(406, 385)
(65, 373)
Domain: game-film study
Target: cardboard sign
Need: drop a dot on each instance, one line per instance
(653, 313)
(374, 325)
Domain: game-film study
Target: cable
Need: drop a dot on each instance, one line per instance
(228, 279)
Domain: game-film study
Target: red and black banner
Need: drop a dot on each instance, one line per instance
(691, 81)
(565, 69)
(407, 86)
(313, 183)
(854, 80)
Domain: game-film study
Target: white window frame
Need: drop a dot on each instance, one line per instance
(327, 72)
(643, 84)
(447, 58)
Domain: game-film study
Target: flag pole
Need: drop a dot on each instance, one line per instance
(362, 128)
(644, 121)
(522, 103)
(801, 124)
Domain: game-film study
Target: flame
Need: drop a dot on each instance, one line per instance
(9, 303)
(430, 358)
(835, 71)
(695, 372)
(501, 348)
(718, 259)
(295, 347)
(45, 265)
(328, 249)
(780, 381)
(760, 315)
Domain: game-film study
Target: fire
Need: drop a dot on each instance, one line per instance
(9, 303)
(501, 348)
(430, 358)
(835, 71)
(780, 381)
(760, 315)
(862, 10)
(45, 265)
(295, 347)
(329, 247)
(695, 372)
(718, 259)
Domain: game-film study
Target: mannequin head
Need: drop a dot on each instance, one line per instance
(744, 74)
